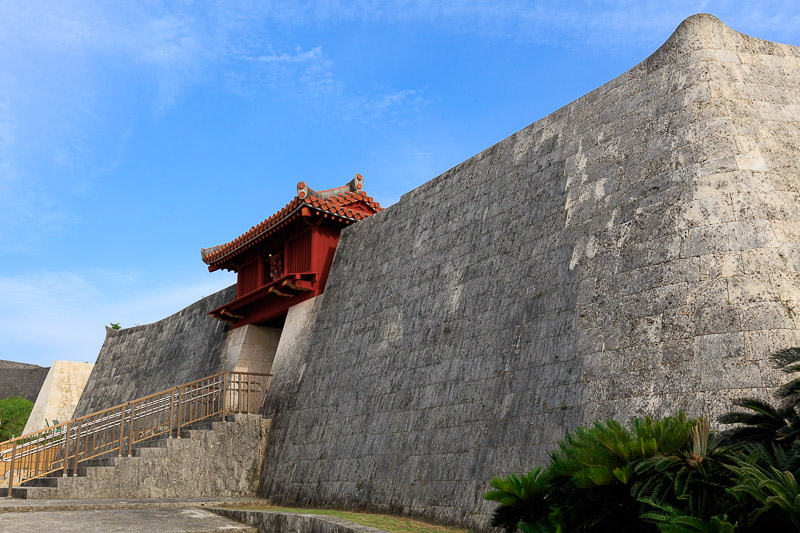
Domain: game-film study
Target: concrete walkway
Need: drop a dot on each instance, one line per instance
(98, 516)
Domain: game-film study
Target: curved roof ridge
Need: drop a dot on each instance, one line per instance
(334, 202)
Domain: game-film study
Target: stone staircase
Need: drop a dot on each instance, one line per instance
(214, 458)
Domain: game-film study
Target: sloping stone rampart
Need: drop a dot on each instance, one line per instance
(21, 379)
(635, 252)
(142, 360)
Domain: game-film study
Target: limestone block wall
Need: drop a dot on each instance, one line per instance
(635, 252)
(224, 461)
(255, 347)
(21, 379)
(59, 394)
(138, 361)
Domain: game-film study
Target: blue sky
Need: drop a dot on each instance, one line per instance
(134, 133)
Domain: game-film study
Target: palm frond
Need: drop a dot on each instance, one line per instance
(522, 498)
(785, 358)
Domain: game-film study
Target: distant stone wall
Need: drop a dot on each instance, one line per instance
(138, 361)
(21, 379)
(635, 252)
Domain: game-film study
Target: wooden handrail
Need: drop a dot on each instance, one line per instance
(64, 446)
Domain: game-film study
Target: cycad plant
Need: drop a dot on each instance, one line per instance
(593, 472)
(761, 422)
(775, 493)
(604, 453)
(692, 480)
(764, 423)
(669, 475)
(672, 520)
(522, 498)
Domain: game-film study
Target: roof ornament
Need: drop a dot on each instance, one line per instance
(355, 185)
(345, 205)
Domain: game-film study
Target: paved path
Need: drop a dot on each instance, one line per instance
(99, 516)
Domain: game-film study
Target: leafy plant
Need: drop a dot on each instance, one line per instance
(601, 461)
(522, 498)
(672, 520)
(669, 475)
(763, 422)
(788, 361)
(692, 480)
(14, 413)
(604, 453)
(772, 493)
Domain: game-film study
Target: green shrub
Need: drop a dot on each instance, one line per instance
(521, 498)
(668, 475)
(14, 413)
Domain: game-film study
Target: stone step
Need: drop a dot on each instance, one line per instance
(133, 476)
(33, 493)
(100, 461)
(42, 482)
(154, 447)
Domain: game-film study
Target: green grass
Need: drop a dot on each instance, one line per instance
(393, 524)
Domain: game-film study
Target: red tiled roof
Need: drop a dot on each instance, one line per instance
(348, 203)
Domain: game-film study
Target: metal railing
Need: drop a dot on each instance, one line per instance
(64, 446)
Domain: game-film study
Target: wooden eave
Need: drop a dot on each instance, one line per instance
(302, 211)
(288, 286)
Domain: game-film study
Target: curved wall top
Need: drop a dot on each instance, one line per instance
(142, 360)
(635, 252)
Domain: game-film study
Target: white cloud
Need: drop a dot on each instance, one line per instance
(62, 315)
(310, 76)
(315, 55)
(57, 97)
(63, 75)
(570, 24)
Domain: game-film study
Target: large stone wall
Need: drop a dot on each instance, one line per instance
(138, 361)
(635, 252)
(21, 379)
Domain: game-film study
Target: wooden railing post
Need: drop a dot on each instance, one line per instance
(224, 395)
(77, 448)
(171, 403)
(11, 472)
(121, 429)
(178, 420)
(130, 431)
(247, 396)
(50, 451)
(66, 450)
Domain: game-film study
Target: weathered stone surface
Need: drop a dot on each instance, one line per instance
(21, 379)
(279, 522)
(253, 347)
(164, 520)
(138, 361)
(223, 461)
(59, 394)
(635, 252)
